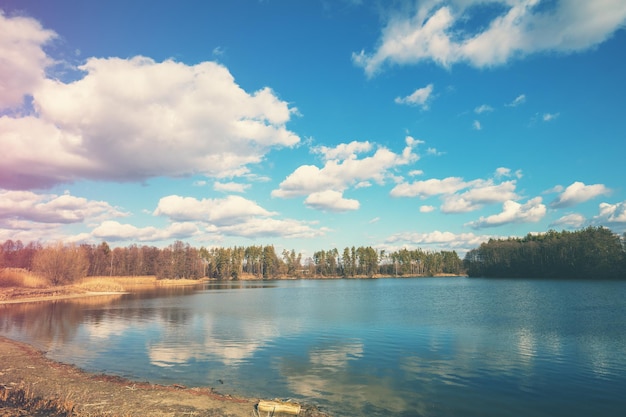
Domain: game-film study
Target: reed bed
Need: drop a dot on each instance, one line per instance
(116, 284)
(18, 277)
(128, 283)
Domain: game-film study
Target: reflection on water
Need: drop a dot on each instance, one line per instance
(412, 347)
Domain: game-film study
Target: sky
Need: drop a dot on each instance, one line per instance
(311, 124)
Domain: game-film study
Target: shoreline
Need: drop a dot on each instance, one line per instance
(33, 385)
(17, 295)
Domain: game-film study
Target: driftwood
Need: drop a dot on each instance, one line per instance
(279, 407)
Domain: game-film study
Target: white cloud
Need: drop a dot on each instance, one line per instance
(114, 231)
(419, 97)
(503, 172)
(416, 172)
(345, 171)
(230, 187)
(344, 150)
(480, 193)
(427, 209)
(506, 172)
(128, 119)
(23, 62)
(429, 188)
(223, 211)
(269, 227)
(549, 116)
(477, 192)
(51, 208)
(521, 99)
(577, 193)
(573, 220)
(330, 200)
(555, 189)
(438, 240)
(476, 125)
(513, 212)
(435, 32)
(434, 151)
(612, 213)
(232, 216)
(484, 108)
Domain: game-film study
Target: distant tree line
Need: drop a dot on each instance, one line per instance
(366, 261)
(594, 252)
(62, 264)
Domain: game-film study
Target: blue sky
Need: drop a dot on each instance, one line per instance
(311, 124)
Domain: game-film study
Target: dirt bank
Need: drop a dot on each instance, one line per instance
(32, 385)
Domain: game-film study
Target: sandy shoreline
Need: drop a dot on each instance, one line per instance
(33, 385)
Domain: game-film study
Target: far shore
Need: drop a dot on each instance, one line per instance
(118, 285)
(88, 287)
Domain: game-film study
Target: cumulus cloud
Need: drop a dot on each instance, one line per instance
(573, 220)
(217, 211)
(329, 200)
(578, 193)
(420, 97)
(232, 216)
(52, 208)
(476, 125)
(437, 31)
(438, 239)
(429, 188)
(460, 196)
(427, 209)
(481, 192)
(343, 150)
(230, 187)
(513, 212)
(506, 172)
(270, 227)
(114, 231)
(344, 169)
(23, 62)
(128, 119)
(612, 213)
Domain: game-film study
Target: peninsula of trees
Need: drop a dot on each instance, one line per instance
(591, 253)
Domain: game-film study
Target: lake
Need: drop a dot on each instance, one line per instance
(384, 347)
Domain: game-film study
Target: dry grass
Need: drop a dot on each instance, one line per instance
(122, 284)
(17, 277)
(22, 398)
(115, 284)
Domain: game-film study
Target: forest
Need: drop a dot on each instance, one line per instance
(591, 253)
(65, 263)
(594, 252)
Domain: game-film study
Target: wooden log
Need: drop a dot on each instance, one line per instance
(279, 407)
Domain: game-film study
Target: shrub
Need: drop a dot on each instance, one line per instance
(61, 264)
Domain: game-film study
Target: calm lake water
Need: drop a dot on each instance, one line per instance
(386, 347)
